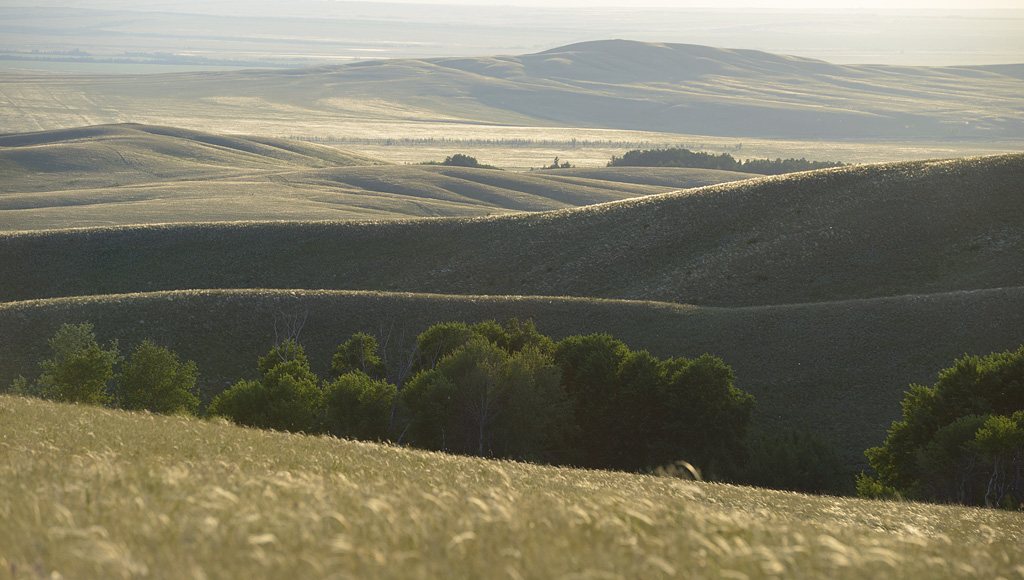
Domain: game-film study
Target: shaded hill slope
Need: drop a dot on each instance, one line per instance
(135, 174)
(838, 369)
(845, 233)
(675, 88)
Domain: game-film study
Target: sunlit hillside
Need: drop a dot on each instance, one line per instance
(137, 174)
(591, 92)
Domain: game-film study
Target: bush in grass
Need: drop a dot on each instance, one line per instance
(154, 379)
(80, 370)
(359, 407)
(679, 157)
(287, 397)
(960, 440)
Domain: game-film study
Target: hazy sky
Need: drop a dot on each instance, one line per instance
(781, 4)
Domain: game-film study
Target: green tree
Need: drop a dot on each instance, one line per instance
(80, 369)
(532, 424)
(154, 379)
(956, 441)
(793, 461)
(590, 367)
(634, 412)
(703, 416)
(481, 400)
(359, 406)
(361, 353)
(287, 397)
(440, 340)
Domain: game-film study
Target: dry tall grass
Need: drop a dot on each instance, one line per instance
(93, 493)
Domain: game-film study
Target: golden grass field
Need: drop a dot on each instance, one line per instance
(94, 493)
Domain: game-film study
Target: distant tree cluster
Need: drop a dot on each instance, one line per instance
(960, 440)
(461, 160)
(678, 157)
(557, 165)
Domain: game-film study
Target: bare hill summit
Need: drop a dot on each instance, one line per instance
(620, 84)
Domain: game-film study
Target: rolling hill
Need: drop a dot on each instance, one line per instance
(135, 174)
(846, 233)
(828, 291)
(613, 84)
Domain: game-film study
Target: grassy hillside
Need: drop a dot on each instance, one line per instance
(618, 84)
(847, 233)
(588, 92)
(136, 174)
(92, 493)
(834, 368)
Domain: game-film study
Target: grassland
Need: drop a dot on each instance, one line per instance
(829, 292)
(605, 91)
(847, 233)
(137, 174)
(92, 493)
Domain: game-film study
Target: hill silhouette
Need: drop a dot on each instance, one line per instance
(134, 174)
(616, 84)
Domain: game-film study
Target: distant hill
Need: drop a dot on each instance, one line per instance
(137, 174)
(846, 233)
(620, 84)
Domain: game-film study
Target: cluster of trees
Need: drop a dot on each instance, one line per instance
(960, 440)
(508, 391)
(679, 157)
(557, 165)
(461, 160)
(81, 371)
(484, 389)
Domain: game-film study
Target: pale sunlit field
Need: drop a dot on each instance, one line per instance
(94, 493)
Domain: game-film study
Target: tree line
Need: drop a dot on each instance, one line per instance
(486, 389)
(508, 391)
(680, 157)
